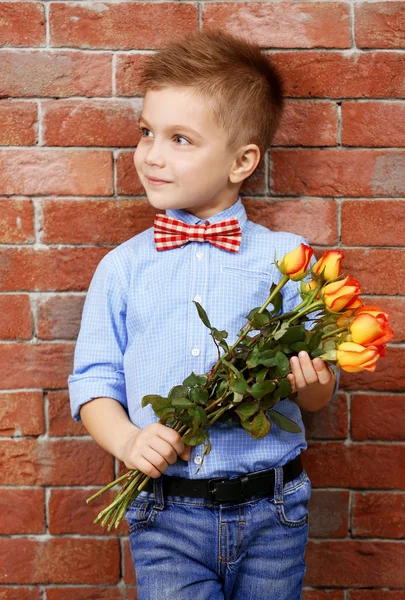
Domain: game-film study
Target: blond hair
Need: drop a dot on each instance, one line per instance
(243, 87)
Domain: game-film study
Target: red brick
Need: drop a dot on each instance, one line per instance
(128, 72)
(388, 376)
(24, 511)
(380, 25)
(132, 593)
(373, 123)
(49, 269)
(121, 26)
(333, 464)
(376, 595)
(128, 182)
(54, 171)
(69, 512)
(54, 462)
(331, 422)
(60, 422)
(314, 219)
(22, 24)
(58, 317)
(20, 593)
(59, 560)
(378, 515)
(328, 514)
(90, 122)
(16, 221)
(337, 75)
(379, 270)
(17, 122)
(351, 563)
(305, 123)
(95, 221)
(323, 595)
(19, 324)
(333, 172)
(395, 307)
(378, 417)
(283, 24)
(21, 412)
(129, 569)
(55, 73)
(43, 365)
(87, 593)
(373, 223)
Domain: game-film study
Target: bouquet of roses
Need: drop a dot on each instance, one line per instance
(245, 384)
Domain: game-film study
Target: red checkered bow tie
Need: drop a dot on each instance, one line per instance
(171, 233)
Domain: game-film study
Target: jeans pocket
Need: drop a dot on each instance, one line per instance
(293, 511)
(139, 515)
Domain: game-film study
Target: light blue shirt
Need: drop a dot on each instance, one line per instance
(141, 334)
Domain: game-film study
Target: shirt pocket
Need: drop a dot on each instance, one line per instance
(243, 289)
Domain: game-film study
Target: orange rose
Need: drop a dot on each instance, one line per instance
(339, 294)
(367, 329)
(295, 263)
(309, 287)
(354, 306)
(354, 358)
(330, 264)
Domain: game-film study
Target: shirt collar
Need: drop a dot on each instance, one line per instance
(236, 210)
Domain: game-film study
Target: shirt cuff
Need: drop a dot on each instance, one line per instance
(84, 389)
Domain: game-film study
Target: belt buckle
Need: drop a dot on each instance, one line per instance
(230, 483)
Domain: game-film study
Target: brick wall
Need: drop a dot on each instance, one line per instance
(69, 194)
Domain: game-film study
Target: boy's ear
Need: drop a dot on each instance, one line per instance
(245, 163)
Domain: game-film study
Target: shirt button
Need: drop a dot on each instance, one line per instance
(195, 352)
(198, 460)
(197, 299)
(199, 255)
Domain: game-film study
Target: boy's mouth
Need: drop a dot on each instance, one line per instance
(154, 180)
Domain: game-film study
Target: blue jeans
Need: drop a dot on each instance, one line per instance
(187, 548)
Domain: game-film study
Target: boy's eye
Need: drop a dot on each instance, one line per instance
(144, 129)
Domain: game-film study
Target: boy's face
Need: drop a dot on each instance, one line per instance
(195, 164)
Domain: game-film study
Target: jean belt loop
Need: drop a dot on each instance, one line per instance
(158, 493)
(278, 485)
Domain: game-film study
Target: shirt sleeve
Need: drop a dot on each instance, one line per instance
(98, 359)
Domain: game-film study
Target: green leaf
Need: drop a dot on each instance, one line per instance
(284, 423)
(191, 380)
(260, 425)
(277, 301)
(150, 398)
(202, 314)
(224, 345)
(281, 331)
(261, 375)
(247, 425)
(178, 391)
(252, 313)
(219, 335)
(283, 364)
(233, 368)
(246, 410)
(237, 398)
(260, 319)
(182, 402)
(194, 439)
(268, 401)
(199, 395)
(267, 358)
(295, 333)
(199, 417)
(298, 346)
(258, 390)
(239, 385)
(314, 339)
(284, 388)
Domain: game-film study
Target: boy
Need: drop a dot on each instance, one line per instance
(237, 529)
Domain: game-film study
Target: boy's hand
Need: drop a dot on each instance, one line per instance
(312, 380)
(153, 448)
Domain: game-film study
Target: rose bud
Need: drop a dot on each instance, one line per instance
(330, 264)
(354, 358)
(295, 263)
(338, 294)
(367, 329)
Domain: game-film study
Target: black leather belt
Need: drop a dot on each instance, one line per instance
(228, 490)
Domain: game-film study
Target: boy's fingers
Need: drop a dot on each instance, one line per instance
(323, 371)
(308, 369)
(291, 379)
(297, 372)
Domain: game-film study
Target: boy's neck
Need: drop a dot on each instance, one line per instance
(179, 213)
